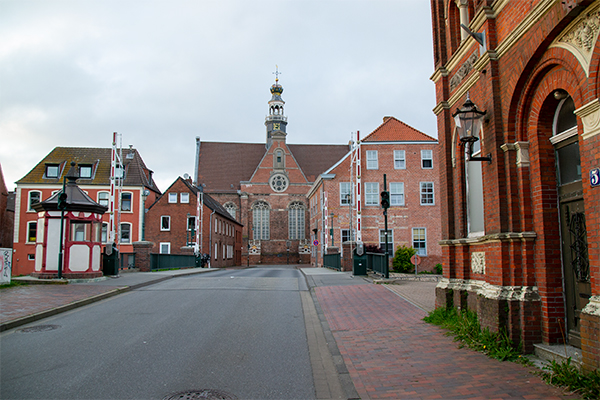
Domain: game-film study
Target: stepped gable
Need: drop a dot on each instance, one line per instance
(394, 130)
(222, 164)
(314, 159)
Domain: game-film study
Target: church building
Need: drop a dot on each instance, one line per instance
(264, 186)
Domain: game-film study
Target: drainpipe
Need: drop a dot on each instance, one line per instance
(210, 244)
(197, 160)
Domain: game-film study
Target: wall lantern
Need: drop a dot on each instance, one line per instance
(468, 120)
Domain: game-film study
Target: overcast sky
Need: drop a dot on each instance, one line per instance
(162, 72)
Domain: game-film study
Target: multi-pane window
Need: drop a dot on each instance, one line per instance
(346, 235)
(104, 233)
(427, 193)
(390, 240)
(85, 171)
(52, 170)
(371, 193)
(191, 223)
(296, 221)
(80, 231)
(184, 197)
(260, 218)
(278, 159)
(231, 209)
(426, 159)
(399, 159)
(372, 161)
(31, 231)
(172, 197)
(34, 197)
(165, 223)
(346, 196)
(419, 240)
(103, 198)
(126, 201)
(165, 248)
(397, 193)
(125, 233)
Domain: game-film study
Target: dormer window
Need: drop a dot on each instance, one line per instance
(85, 171)
(52, 170)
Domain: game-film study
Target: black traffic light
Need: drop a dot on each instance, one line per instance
(62, 201)
(385, 199)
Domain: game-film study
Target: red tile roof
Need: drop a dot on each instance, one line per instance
(394, 130)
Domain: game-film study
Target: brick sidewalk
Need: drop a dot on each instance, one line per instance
(391, 353)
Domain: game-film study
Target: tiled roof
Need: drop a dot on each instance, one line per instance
(222, 165)
(136, 172)
(210, 202)
(394, 130)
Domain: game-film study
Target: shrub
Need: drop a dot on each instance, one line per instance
(401, 262)
(439, 269)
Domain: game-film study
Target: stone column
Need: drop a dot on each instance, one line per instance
(142, 255)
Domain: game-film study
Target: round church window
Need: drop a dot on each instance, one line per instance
(279, 183)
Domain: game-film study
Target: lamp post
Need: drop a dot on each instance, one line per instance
(331, 229)
(145, 194)
(288, 244)
(468, 120)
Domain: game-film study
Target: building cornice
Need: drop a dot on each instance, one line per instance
(490, 291)
(496, 237)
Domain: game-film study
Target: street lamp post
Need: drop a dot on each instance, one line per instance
(331, 229)
(468, 120)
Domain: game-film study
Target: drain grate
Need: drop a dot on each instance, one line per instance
(39, 328)
(203, 394)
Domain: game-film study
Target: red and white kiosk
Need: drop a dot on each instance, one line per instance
(79, 218)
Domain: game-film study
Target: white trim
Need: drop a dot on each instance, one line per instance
(160, 247)
(169, 196)
(161, 223)
(412, 239)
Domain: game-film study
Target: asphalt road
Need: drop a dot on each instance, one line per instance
(240, 332)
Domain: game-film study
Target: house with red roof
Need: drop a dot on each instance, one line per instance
(93, 166)
(407, 157)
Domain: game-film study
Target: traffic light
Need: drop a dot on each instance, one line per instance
(385, 199)
(62, 201)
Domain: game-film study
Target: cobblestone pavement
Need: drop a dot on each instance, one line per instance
(391, 353)
(21, 301)
(420, 294)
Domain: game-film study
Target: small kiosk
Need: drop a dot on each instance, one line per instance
(79, 218)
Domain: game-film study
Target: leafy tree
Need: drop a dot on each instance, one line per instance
(402, 257)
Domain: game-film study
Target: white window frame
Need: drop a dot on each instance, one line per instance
(29, 199)
(422, 253)
(426, 155)
(261, 220)
(165, 218)
(103, 232)
(390, 240)
(172, 198)
(347, 234)
(369, 195)
(165, 244)
(98, 199)
(422, 193)
(296, 221)
(346, 188)
(27, 236)
(184, 198)
(57, 171)
(231, 209)
(397, 197)
(86, 167)
(121, 233)
(399, 159)
(130, 202)
(372, 159)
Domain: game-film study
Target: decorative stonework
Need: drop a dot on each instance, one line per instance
(494, 292)
(522, 154)
(478, 262)
(254, 247)
(590, 117)
(463, 71)
(592, 307)
(304, 246)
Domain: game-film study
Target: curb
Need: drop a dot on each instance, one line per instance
(80, 303)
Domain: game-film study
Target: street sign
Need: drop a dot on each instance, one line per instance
(416, 260)
(316, 242)
(595, 177)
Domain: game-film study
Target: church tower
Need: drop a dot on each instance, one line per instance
(276, 121)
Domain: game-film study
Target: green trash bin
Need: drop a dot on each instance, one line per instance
(359, 266)
(110, 262)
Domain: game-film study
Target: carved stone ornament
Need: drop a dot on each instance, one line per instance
(463, 71)
(590, 117)
(580, 37)
(304, 246)
(478, 262)
(254, 245)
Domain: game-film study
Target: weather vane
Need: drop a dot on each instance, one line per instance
(277, 73)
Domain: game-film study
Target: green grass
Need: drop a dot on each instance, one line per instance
(567, 375)
(12, 284)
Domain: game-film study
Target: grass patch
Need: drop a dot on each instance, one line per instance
(466, 329)
(567, 375)
(12, 284)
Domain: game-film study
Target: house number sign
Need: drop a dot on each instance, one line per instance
(595, 177)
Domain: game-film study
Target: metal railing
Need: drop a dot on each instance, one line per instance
(376, 262)
(333, 261)
(171, 261)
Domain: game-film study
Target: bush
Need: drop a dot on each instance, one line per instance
(401, 262)
(371, 248)
(439, 269)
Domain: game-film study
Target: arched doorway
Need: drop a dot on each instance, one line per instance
(576, 271)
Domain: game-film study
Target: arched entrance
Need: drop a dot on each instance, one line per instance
(576, 271)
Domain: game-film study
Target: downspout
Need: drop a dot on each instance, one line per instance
(197, 160)
(210, 244)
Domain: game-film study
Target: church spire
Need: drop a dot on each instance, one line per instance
(276, 121)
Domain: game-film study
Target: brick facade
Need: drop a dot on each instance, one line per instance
(536, 56)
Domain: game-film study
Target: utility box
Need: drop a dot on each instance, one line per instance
(110, 260)
(359, 266)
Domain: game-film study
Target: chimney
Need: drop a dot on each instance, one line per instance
(386, 118)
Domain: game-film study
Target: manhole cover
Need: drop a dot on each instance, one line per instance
(39, 328)
(208, 394)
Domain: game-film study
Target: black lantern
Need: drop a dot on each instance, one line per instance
(468, 120)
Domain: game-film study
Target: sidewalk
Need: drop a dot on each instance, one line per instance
(391, 353)
(20, 305)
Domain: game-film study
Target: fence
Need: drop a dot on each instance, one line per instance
(376, 262)
(333, 261)
(171, 261)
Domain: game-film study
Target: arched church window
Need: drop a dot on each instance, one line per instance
(231, 209)
(296, 212)
(261, 220)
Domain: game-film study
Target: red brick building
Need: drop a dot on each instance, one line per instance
(264, 187)
(407, 157)
(171, 225)
(7, 214)
(94, 165)
(520, 234)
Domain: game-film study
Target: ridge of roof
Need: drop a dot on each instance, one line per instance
(394, 130)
